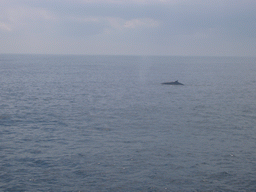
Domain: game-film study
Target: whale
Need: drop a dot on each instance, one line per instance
(172, 83)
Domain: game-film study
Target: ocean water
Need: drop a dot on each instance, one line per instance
(105, 123)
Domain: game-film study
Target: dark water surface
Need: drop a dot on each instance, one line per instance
(105, 123)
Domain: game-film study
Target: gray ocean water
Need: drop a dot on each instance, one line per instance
(105, 123)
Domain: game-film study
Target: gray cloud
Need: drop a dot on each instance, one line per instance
(138, 27)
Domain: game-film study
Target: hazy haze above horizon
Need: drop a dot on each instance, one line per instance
(123, 27)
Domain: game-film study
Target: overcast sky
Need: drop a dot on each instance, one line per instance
(129, 27)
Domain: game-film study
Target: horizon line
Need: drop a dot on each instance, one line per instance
(127, 55)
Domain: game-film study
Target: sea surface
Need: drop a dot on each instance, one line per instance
(106, 123)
